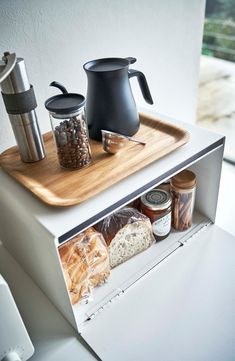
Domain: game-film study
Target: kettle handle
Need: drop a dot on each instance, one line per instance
(142, 83)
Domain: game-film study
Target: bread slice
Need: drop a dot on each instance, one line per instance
(129, 241)
(127, 233)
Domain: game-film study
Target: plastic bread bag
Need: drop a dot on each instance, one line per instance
(127, 232)
(85, 263)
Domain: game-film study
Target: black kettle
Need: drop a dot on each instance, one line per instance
(110, 104)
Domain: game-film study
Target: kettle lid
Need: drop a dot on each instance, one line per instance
(108, 64)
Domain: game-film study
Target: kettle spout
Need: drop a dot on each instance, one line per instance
(131, 60)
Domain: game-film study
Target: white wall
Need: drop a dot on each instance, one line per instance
(55, 37)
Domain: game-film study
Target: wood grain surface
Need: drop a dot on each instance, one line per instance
(61, 187)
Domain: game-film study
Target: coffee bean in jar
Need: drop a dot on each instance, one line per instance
(156, 204)
(72, 144)
(69, 129)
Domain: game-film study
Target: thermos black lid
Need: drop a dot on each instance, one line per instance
(65, 103)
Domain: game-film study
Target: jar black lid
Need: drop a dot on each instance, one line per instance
(65, 103)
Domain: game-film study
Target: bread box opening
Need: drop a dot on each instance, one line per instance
(98, 288)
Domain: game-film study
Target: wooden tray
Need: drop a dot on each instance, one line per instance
(61, 187)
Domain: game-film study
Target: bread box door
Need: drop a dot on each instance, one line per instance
(183, 309)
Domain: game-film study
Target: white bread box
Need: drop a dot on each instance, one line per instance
(122, 311)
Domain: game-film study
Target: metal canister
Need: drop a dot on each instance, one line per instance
(20, 103)
(156, 204)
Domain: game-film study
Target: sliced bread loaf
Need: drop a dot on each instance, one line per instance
(127, 232)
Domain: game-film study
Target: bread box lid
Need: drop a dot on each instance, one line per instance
(171, 309)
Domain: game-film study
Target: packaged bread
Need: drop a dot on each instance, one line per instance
(127, 232)
(85, 262)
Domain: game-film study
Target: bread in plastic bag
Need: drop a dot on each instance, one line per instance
(127, 232)
(85, 262)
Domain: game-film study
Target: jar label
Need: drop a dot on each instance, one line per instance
(162, 226)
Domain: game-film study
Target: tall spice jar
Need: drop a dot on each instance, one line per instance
(156, 205)
(183, 187)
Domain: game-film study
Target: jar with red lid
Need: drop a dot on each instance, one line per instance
(156, 205)
(183, 187)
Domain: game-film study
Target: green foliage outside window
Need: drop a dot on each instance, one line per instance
(219, 29)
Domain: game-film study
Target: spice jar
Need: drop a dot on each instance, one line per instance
(156, 204)
(69, 128)
(164, 185)
(183, 186)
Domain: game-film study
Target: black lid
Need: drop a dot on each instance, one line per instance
(108, 64)
(65, 103)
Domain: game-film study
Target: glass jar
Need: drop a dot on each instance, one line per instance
(183, 187)
(164, 185)
(156, 205)
(69, 130)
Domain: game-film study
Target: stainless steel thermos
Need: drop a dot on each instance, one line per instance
(18, 96)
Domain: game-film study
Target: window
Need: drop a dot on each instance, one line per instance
(216, 96)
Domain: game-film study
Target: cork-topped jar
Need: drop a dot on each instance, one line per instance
(156, 204)
(183, 186)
